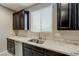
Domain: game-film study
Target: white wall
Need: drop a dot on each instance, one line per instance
(5, 27)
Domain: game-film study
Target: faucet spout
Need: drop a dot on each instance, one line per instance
(40, 36)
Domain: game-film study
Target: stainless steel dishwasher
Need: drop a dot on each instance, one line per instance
(18, 48)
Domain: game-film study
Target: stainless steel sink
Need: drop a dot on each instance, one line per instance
(36, 41)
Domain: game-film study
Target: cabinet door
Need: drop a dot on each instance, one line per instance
(46, 19)
(63, 16)
(74, 15)
(77, 13)
(35, 53)
(53, 53)
(16, 21)
(11, 46)
(27, 52)
(35, 21)
(67, 16)
(21, 20)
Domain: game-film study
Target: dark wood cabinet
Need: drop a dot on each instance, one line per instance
(53, 53)
(21, 20)
(67, 16)
(30, 50)
(27, 51)
(11, 46)
(36, 53)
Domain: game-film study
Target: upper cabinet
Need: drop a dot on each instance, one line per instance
(67, 16)
(21, 20)
(41, 20)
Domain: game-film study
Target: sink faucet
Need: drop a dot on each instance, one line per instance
(40, 36)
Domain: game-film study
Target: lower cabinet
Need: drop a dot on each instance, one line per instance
(27, 52)
(53, 53)
(11, 46)
(30, 50)
(35, 53)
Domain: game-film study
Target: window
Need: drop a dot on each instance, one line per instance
(41, 20)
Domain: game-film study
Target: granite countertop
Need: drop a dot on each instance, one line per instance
(53, 45)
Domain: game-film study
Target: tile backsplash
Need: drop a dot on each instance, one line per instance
(71, 37)
(44, 36)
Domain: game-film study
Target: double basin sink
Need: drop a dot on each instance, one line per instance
(38, 41)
